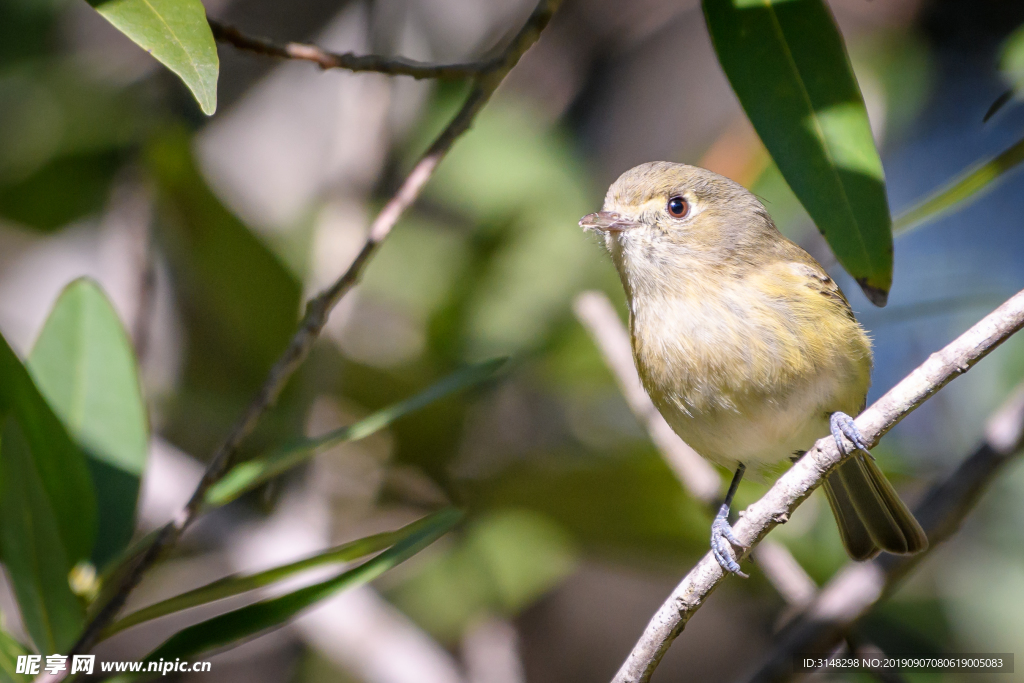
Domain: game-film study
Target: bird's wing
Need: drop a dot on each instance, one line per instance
(815, 277)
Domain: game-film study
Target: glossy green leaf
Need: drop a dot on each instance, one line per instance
(32, 549)
(241, 583)
(233, 627)
(59, 463)
(177, 34)
(83, 363)
(247, 475)
(787, 63)
(10, 650)
(966, 188)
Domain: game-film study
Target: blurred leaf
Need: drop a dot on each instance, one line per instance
(10, 650)
(505, 560)
(787, 64)
(32, 550)
(247, 475)
(177, 34)
(241, 583)
(1011, 67)
(84, 365)
(248, 621)
(626, 507)
(240, 304)
(59, 463)
(66, 188)
(966, 188)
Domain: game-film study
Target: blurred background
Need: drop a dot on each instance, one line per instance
(207, 234)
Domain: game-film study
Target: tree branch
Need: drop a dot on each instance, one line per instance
(325, 59)
(698, 477)
(856, 588)
(317, 311)
(802, 478)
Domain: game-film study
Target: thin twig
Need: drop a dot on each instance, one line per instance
(317, 311)
(325, 59)
(857, 587)
(802, 478)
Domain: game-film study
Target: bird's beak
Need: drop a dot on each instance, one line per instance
(606, 221)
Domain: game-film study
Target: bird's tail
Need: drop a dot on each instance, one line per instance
(869, 512)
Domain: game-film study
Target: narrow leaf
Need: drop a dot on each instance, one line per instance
(966, 188)
(787, 63)
(247, 475)
(10, 650)
(32, 549)
(230, 628)
(241, 583)
(177, 34)
(84, 365)
(59, 463)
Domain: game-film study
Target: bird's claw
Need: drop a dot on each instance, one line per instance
(721, 537)
(842, 425)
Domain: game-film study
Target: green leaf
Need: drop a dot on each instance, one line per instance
(66, 188)
(59, 463)
(32, 549)
(966, 188)
(84, 365)
(10, 650)
(787, 64)
(247, 475)
(1011, 67)
(240, 305)
(177, 34)
(235, 626)
(241, 583)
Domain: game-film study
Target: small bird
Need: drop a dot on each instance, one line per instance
(746, 346)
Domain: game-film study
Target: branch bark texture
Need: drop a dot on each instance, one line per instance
(807, 474)
(858, 587)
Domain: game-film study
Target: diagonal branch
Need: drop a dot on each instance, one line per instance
(807, 474)
(325, 59)
(697, 476)
(317, 311)
(858, 587)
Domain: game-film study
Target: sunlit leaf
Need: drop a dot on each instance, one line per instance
(241, 583)
(84, 365)
(59, 463)
(177, 34)
(247, 475)
(787, 63)
(243, 623)
(1011, 67)
(32, 549)
(966, 188)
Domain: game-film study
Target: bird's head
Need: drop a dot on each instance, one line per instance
(661, 216)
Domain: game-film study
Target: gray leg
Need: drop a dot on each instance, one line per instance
(721, 531)
(843, 425)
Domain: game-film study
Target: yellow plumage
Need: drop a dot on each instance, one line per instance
(743, 342)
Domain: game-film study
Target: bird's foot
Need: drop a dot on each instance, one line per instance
(843, 425)
(721, 537)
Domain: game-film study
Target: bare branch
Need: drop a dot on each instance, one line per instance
(799, 482)
(697, 476)
(317, 311)
(855, 589)
(325, 59)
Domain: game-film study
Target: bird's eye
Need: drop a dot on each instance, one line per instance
(678, 207)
